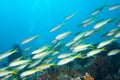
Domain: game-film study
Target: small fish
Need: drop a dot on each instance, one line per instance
(88, 23)
(29, 72)
(68, 59)
(41, 54)
(19, 62)
(28, 48)
(96, 11)
(88, 33)
(35, 63)
(113, 52)
(88, 19)
(57, 27)
(29, 39)
(20, 67)
(64, 55)
(113, 7)
(117, 35)
(110, 33)
(104, 43)
(102, 23)
(6, 72)
(82, 47)
(70, 43)
(62, 35)
(96, 51)
(71, 15)
(79, 36)
(118, 23)
(41, 49)
(44, 66)
(7, 53)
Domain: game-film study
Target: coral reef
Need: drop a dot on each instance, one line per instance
(100, 67)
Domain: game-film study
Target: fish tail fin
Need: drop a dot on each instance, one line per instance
(104, 49)
(79, 55)
(14, 72)
(113, 39)
(37, 35)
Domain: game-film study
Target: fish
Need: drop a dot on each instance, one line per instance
(88, 33)
(20, 67)
(111, 32)
(96, 51)
(29, 72)
(79, 36)
(113, 7)
(102, 23)
(68, 59)
(118, 23)
(27, 40)
(62, 35)
(19, 62)
(7, 53)
(36, 62)
(113, 52)
(71, 15)
(88, 19)
(57, 27)
(88, 23)
(69, 43)
(26, 49)
(41, 49)
(6, 72)
(82, 47)
(41, 54)
(64, 55)
(117, 35)
(44, 66)
(96, 11)
(104, 43)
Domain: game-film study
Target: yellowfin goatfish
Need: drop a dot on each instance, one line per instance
(56, 27)
(62, 35)
(44, 66)
(81, 47)
(19, 62)
(88, 23)
(118, 23)
(6, 72)
(64, 55)
(102, 23)
(88, 20)
(96, 51)
(41, 49)
(29, 39)
(7, 53)
(68, 59)
(29, 72)
(104, 43)
(71, 15)
(117, 34)
(113, 52)
(113, 7)
(35, 63)
(96, 11)
(26, 49)
(41, 54)
(20, 67)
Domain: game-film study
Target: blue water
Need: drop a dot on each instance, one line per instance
(20, 19)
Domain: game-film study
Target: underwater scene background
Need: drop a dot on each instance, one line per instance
(59, 40)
